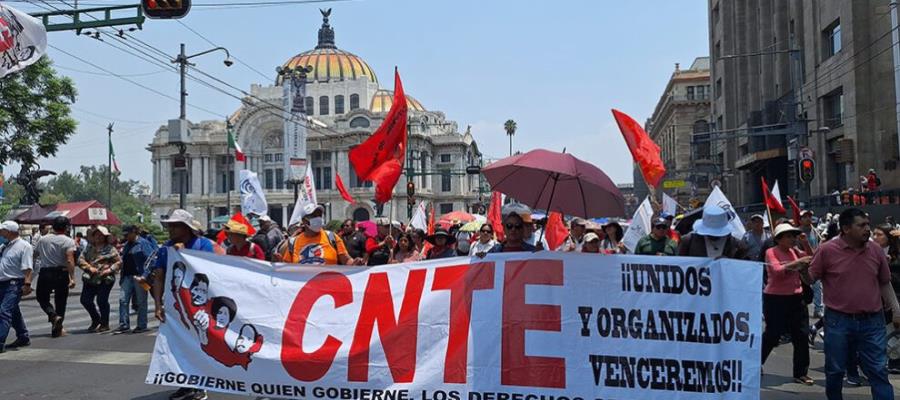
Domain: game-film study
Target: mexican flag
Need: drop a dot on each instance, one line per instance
(112, 154)
(238, 154)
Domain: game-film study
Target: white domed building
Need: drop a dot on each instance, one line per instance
(343, 94)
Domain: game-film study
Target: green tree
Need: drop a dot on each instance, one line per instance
(510, 127)
(34, 113)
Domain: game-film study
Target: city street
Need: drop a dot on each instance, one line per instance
(110, 366)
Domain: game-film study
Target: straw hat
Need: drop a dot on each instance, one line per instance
(235, 227)
(785, 228)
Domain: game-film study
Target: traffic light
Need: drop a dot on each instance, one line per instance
(410, 189)
(807, 170)
(166, 9)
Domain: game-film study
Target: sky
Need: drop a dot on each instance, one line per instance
(556, 68)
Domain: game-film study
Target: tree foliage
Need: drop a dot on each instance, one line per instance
(34, 113)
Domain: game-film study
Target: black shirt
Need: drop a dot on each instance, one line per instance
(355, 244)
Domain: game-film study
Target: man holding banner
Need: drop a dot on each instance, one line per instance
(315, 245)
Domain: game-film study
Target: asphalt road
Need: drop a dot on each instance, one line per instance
(108, 366)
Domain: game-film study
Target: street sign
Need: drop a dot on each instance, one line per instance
(805, 152)
(673, 184)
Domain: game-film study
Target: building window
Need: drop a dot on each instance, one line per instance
(338, 104)
(270, 179)
(223, 174)
(445, 158)
(279, 157)
(833, 108)
(323, 105)
(309, 106)
(690, 92)
(279, 178)
(446, 208)
(321, 165)
(446, 185)
(701, 92)
(355, 182)
(701, 140)
(359, 122)
(831, 39)
(718, 88)
(354, 101)
(268, 157)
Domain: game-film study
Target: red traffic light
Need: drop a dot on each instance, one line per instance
(807, 170)
(166, 9)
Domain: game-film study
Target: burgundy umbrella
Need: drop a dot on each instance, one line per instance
(556, 182)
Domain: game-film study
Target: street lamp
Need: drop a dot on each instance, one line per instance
(182, 61)
(296, 78)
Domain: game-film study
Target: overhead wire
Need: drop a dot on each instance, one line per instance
(186, 26)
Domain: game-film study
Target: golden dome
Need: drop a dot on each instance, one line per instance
(330, 64)
(383, 99)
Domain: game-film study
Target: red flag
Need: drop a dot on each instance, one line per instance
(772, 203)
(495, 216)
(380, 158)
(239, 218)
(643, 150)
(431, 221)
(796, 210)
(556, 232)
(343, 190)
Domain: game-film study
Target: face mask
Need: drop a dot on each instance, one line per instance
(3, 240)
(316, 224)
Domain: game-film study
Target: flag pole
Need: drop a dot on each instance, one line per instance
(768, 210)
(230, 165)
(109, 130)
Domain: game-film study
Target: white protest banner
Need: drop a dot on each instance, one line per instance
(640, 225)
(253, 199)
(419, 219)
(306, 196)
(23, 40)
(670, 206)
(717, 198)
(546, 325)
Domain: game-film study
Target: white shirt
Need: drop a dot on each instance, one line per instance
(479, 247)
(15, 259)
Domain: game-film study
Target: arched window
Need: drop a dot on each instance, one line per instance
(323, 105)
(360, 214)
(338, 104)
(309, 106)
(359, 122)
(354, 101)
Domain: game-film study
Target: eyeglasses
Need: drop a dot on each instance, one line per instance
(515, 226)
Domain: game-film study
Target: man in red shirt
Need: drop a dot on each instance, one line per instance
(237, 235)
(856, 279)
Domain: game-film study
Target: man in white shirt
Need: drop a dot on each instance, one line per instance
(15, 281)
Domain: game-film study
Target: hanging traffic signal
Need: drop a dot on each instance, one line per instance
(166, 9)
(410, 189)
(807, 170)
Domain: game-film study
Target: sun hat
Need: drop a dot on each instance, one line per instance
(233, 226)
(519, 209)
(784, 228)
(713, 223)
(590, 237)
(440, 232)
(102, 229)
(10, 226)
(757, 216)
(179, 216)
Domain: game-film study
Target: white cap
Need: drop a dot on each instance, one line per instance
(10, 226)
(265, 218)
(179, 216)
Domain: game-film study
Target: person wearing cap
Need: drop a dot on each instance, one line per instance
(485, 241)
(811, 235)
(441, 245)
(591, 243)
(54, 256)
(755, 237)
(239, 245)
(379, 249)
(612, 243)
(268, 236)
(657, 242)
(16, 265)
(783, 306)
(575, 240)
(99, 262)
(711, 237)
(856, 282)
(514, 230)
(135, 254)
(182, 235)
(313, 244)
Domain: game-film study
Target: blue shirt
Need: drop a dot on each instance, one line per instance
(196, 243)
(135, 255)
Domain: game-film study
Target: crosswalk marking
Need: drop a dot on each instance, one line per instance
(78, 356)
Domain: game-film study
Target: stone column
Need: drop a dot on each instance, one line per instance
(165, 177)
(155, 177)
(196, 175)
(284, 215)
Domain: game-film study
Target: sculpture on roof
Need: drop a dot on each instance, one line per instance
(28, 178)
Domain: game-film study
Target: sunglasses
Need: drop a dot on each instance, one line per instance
(516, 226)
(483, 231)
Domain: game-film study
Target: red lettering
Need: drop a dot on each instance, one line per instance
(516, 368)
(461, 281)
(298, 363)
(398, 335)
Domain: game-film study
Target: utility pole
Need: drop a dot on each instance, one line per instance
(230, 175)
(109, 130)
(895, 36)
(182, 70)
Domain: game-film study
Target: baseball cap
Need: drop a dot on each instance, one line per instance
(757, 216)
(660, 222)
(102, 230)
(590, 237)
(579, 221)
(311, 208)
(10, 226)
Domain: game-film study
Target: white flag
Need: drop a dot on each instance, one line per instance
(23, 40)
(670, 206)
(777, 193)
(307, 196)
(640, 225)
(717, 198)
(420, 219)
(253, 200)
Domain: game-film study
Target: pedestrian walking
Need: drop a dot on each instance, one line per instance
(16, 265)
(135, 254)
(313, 244)
(239, 245)
(856, 279)
(405, 250)
(100, 262)
(55, 258)
(783, 307)
(711, 237)
(379, 249)
(575, 240)
(612, 243)
(441, 245)
(890, 244)
(485, 241)
(354, 240)
(755, 238)
(514, 229)
(268, 236)
(657, 242)
(591, 243)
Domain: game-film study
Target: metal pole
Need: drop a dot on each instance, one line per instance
(296, 190)
(229, 175)
(109, 130)
(182, 67)
(895, 37)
